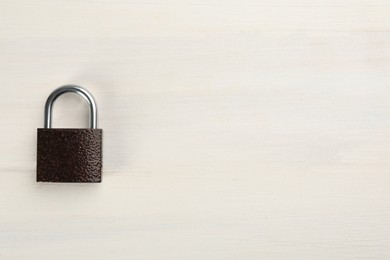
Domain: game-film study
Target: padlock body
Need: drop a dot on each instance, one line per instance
(69, 155)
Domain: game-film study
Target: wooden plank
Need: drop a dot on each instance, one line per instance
(232, 129)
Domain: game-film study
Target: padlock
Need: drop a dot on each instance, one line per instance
(69, 154)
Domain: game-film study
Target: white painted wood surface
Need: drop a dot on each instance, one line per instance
(233, 129)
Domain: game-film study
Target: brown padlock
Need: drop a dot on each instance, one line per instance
(69, 154)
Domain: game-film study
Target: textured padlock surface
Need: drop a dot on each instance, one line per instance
(69, 155)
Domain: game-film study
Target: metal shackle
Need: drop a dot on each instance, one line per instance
(74, 89)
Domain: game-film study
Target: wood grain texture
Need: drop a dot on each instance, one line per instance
(232, 129)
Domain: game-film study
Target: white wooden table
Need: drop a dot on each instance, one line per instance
(235, 129)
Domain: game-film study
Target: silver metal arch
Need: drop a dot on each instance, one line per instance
(74, 89)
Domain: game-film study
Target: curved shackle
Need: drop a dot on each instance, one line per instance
(74, 89)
